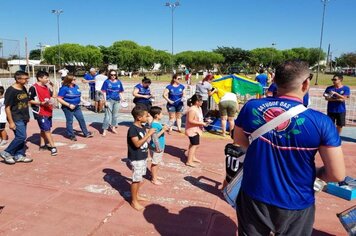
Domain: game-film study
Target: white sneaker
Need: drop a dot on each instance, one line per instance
(3, 143)
(7, 158)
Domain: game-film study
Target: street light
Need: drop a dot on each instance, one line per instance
(321, 40)
(172, 6)
(58, 13)
(273, 44)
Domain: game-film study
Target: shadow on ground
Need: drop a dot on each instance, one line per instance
(189, 221)
(321, 233)
(176, 152)
(200, 182)
(119, 182)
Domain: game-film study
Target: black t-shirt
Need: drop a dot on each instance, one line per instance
(234, 157)
(18, 102)
(134, 153)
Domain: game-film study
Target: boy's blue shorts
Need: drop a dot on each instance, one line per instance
(45, 123)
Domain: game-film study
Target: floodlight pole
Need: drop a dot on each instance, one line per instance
(321, 40)
(273, 44)
(58, 13)
(172, 6)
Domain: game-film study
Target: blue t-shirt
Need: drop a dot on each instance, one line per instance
(112, 89)
(70, 94)
(161, 139)
(336, 106)
(175, 93)
(142, 91)
(262, 79)
(88, 76)
(279, 166)
(273, 88)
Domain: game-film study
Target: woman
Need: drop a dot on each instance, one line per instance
(194, 127)
(174, 94)
(113, 90)
(204, 89)
(69, 96)
(142, 93)
(227, 108)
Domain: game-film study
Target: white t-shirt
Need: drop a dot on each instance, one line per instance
(63, 72)
(99, 81)
(229, 97)
(2, 111)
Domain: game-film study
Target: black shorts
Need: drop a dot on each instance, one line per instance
(340, 118)
(258, 218)
(194, 140)
(2, 126)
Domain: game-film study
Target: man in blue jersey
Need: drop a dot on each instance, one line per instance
(277, 193)
(262, 78)
(336, 96)
(89, 78)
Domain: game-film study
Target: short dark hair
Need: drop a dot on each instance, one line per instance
(288, 73)
(262, 70)
(2, 90)
(19, 73)
(41, 74)
(339, 75)
(146, 80)
(155, 110)
(195, 98)
(138, 111)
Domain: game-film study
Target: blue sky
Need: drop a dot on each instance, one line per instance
(199, 24)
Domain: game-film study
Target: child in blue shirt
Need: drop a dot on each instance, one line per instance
(157, 142)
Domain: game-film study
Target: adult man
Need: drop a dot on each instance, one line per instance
(89, 78)
(336, 96)
(63, 72)
(262, 78)
(279, 171)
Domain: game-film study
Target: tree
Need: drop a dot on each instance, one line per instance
(347, 59)
(199, 59)
(233, 57)
(35, 54)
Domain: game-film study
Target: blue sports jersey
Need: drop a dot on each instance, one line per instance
(279, 166)
(273, 88)
(336, 106)
(175, 93)
(142, 91)
(262, 79)
(161, 139)
(70, 94)
(112, 89)
(88, 76)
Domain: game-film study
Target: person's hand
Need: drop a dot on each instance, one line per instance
(12, 126)
(165, 127)
(170, 102)
(147, 96)
(205, 124)
(71, 106)
(151, 131)
(106, 104)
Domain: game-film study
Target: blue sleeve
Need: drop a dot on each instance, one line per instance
(347, 91)
(62, 91)
(240, 118)
(183, 87)
(105, 86)
(329, 134)
(156, 126)
(121, 86)
(327, 90)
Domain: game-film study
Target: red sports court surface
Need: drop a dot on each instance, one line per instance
(86, 188)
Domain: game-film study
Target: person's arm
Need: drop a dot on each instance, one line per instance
(165, 96)
(9, 117)
(137, 95)
(64, 103)
(139, 142)
(334, 166)
(240, 138)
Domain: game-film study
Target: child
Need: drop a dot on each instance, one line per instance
(16, 108)
(157, 142)
(194, 127)
(137, 152)
(42, 107)
(3, 120)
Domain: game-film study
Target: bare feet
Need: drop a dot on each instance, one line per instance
(156, 182)
(113, 129)
(191, 164)
(137, 206)
(197, 160)
(159, 177)
(104, 132)
(141, 198)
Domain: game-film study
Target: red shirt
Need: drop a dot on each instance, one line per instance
(43, 94)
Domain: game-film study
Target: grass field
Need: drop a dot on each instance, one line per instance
(323, 80)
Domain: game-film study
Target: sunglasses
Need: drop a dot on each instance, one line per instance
(333, 79)
(310, 77)
(112, 74)
(179, 78)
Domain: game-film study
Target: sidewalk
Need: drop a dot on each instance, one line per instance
(86, 188)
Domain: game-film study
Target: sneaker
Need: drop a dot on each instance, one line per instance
(53, 151)
(22, 158)
(89, 135)
(7, 157)
(3, 143)
(73, 138)
(44, 148)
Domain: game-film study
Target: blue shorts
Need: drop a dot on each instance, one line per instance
(45, 123)
(175, 107)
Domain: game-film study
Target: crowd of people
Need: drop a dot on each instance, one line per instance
(276, 194)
